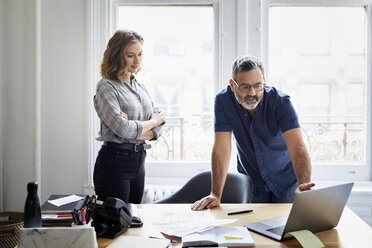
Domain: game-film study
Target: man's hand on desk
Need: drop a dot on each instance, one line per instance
(209, 201)
(304, 187)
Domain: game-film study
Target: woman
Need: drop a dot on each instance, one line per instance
(127, 119)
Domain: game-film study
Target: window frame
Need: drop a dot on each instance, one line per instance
(101, 20)
(157, 168)
(346, 171)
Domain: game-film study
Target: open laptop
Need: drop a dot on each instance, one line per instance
(314, 210)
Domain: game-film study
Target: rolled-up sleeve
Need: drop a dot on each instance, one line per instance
(108, 110)
(158, 131)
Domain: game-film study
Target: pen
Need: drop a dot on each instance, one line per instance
(78, 215)
(240, 212)
(75, 217)
(65, 216)
(83, 216)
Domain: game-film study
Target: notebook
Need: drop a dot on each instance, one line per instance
(231, 236)
(57, 220)
(77, 202)
(314, 210)
(138, 242)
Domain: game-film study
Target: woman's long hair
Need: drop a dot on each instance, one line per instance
(113, 63)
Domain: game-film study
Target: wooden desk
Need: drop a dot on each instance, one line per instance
(350, 232)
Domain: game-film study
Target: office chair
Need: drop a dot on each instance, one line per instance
(237, 189)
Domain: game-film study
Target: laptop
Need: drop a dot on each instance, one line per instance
(314, 210)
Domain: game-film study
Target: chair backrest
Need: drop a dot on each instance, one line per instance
(237, 189)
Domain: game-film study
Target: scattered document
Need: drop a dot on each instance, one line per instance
(179, 224)
(65, 200)
(307, 239)
(231, 236)
(138, 242)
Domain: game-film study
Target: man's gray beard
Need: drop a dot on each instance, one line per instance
(247, 105)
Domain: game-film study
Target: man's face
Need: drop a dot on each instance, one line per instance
(249, 99)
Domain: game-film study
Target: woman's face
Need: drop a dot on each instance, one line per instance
(133, 57)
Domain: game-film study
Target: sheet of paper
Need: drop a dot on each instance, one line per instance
(138, 242)
(184, 215)
(65, 200)
(183, 223)
(307, 239)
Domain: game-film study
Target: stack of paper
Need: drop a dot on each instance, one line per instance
(57, 219)
(176, 225)
(56, 211)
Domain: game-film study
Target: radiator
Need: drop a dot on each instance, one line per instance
(155, 193)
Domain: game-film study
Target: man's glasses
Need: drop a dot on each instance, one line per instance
(247, 87)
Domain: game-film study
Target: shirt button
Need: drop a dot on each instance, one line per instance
(246, 115)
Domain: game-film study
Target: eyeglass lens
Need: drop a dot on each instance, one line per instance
(247, 87)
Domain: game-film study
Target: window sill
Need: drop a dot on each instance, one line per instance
(360, 187)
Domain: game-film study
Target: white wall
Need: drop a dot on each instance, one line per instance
(62, 96)
(2, 31)
(62, 79)
(18, 73)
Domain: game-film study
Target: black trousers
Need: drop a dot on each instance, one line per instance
(120, 173)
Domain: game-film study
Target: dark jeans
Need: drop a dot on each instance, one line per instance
(119, 173)
(264, 195)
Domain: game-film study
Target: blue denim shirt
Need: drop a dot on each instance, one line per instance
(262, 151)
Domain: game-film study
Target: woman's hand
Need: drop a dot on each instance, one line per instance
(124, 115)
(158, 118)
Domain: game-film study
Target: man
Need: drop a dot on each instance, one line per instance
(268, 137)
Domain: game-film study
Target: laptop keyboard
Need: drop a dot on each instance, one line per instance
(277, 230)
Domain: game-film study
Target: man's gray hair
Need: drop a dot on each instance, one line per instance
(246, 63)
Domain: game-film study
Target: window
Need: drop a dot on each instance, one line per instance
(183, 70)
(317, 53)
(178, 73)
